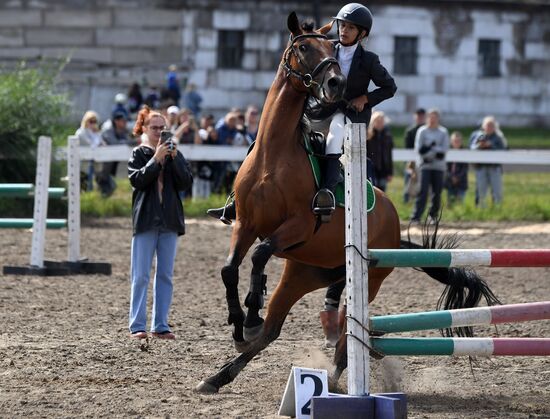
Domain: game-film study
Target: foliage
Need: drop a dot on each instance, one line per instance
(29, 107)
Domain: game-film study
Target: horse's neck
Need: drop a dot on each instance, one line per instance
(281, 115)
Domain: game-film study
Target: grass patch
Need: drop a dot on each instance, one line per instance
(525, 199)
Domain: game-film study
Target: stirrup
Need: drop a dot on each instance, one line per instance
(324, 204)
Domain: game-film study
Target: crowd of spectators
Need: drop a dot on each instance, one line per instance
(425, 177)
(187, 123)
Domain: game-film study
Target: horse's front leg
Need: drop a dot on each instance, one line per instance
(241, 240)
(290, 234)
(297, 280)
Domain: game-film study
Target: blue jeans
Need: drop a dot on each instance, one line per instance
(144, 247)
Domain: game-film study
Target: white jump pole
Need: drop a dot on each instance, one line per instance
(73, 173)
(42, 181)
(355, 150)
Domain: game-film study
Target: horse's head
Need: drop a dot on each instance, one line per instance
(310, 63)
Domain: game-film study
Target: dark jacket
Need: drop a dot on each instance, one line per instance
(410, 135)
(379, 150)
(457, 176)
(147, 210)
(365, 67)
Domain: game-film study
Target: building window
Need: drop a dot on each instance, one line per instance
(230, 49)
(405, 54)
(488, 58)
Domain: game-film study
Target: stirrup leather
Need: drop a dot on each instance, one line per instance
(324, 202)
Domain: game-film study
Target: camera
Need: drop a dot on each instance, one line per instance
(166, 136)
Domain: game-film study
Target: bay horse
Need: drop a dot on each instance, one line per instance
(273, 191)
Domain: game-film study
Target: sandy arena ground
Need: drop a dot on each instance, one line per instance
(65, 350)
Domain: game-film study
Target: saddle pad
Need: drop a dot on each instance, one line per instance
(339, 193)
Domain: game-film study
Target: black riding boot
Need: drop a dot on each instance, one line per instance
(224, 214)
(324, 202)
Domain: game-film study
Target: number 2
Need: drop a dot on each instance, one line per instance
(316, 392)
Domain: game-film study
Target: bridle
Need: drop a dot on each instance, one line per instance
(308, 78)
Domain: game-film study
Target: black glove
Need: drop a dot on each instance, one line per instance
(425, 148)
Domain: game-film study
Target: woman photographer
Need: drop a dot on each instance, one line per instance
(157, 172)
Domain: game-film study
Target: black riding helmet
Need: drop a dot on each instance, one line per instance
(356, 14)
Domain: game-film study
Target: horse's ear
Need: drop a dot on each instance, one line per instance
(293, 24)
(323, 30)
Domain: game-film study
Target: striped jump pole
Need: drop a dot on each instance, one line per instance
(462, 346)
(445, 319)
(446, 258)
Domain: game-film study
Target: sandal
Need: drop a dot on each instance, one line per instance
(167, 334)
(140, 334)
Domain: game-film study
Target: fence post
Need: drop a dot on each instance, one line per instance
(73, 173)
(355, 150)
(41, 183)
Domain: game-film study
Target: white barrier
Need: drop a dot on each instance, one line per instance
(194, 152)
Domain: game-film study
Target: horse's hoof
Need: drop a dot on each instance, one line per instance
(206, 388)
(241, 346)
(252, 333)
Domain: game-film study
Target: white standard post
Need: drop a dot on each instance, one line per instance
(41, 183)
(355, 150)
(73, 173)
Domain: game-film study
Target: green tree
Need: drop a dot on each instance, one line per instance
(30, 106)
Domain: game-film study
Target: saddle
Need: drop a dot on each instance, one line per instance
(314, 145)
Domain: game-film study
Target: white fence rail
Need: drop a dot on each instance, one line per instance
(229, 153)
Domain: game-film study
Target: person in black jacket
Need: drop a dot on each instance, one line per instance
(379, 150)
(360, 68)
(456, 181)
(157, 173)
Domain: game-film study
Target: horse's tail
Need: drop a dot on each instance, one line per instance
(464, 287)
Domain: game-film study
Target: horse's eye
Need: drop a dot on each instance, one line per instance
(303, 47)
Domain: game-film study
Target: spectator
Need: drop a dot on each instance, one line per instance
(208, 136)
(226, 130)
(489, 137)
(172, 118)
(188, 131)
(90, 134)
(410, 175)
(135, 98)
(431, 144)
(120, 105)
(157, 172)
(457, 174)
(379, 147)
(251, 123)
(173, 84)
(117, 134)
(192, 99)
(152, 99)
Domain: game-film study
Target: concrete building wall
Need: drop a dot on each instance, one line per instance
(112, 43)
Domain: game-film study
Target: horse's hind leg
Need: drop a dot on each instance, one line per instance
(296, 281)
(376, 276)
(241, 240)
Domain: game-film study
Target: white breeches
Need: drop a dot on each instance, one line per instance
(335, 137)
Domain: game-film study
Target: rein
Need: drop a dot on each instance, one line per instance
(308, 78)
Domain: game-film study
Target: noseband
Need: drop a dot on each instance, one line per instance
(308, 78)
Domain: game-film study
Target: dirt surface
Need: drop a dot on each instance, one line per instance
(65, 350)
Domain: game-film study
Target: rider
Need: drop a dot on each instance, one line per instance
(360, 67)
